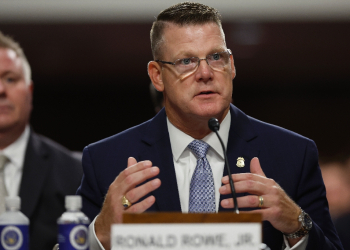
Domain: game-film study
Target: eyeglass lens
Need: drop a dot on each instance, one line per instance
(216, 61)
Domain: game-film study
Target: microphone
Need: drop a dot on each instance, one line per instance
(214, 126)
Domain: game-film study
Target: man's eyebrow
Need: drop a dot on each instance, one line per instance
(185, 54)
(217, 50)
(8, 72)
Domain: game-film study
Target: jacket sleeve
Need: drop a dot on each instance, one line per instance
(89, 189)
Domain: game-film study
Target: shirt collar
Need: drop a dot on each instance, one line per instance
(179, 140)
(16, 151)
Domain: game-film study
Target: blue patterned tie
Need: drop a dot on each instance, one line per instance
(202, 191)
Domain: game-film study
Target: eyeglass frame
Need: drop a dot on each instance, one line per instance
(199, 59)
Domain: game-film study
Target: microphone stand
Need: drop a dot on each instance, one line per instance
(214, 125)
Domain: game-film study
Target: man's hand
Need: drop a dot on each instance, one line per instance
(280, 210)
(125, 184)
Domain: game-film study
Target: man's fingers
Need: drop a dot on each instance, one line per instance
(248, 186)
(135, 194)
(131, 161)
(136, 178)
(246, 201)
(243, 177)
(255, 167)
(142, 206)
(257, 174)
(138, 166)
(133, 175)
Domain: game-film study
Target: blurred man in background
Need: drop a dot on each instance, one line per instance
(32, 166)
(336, 176)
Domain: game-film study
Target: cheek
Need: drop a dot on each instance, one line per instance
(179, 90)
(28, 104)
(178, 96)
(228, 87)
(23, 101)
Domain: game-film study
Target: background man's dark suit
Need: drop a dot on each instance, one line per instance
(50, 172)
(288, 158)
(342, 224)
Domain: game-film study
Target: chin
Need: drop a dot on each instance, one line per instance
(209, 113)
(6, 124)
(213, 109)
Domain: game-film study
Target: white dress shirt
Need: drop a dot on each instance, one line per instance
(15, 152)
(185, 162)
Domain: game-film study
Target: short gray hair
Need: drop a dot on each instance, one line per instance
(8, 42)
(185, 13)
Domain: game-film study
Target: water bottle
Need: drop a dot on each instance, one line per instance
(73, 226)
(14, 226)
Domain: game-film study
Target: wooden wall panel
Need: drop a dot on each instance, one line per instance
(91, 79)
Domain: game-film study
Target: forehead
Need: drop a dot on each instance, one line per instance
(192, 40)
(9, 61)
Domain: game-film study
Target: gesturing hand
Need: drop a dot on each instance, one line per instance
(278, 208)
(125, 185)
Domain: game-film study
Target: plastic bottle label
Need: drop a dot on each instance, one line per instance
(14, 237)
(73, 237)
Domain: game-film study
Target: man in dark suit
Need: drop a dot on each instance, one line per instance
(342, 224)
(37, 169)
(194, 69)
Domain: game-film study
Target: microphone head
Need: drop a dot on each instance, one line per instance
(214, 124)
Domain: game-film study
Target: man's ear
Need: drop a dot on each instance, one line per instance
(233, 68)
(31, 87)
(155, 73)
(30, 95)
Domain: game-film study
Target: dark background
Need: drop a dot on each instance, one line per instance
(90, 79)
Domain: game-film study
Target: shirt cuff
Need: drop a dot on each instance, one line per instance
(95, 244)
(301, 245)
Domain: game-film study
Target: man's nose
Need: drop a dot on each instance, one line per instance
(205, 59)
(2, 85)
(204, 71)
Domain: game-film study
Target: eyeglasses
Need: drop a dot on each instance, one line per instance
(187, 66)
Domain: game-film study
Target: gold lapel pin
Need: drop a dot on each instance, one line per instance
(240, 162)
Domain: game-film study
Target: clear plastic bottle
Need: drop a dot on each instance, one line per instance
(14, 226)
(73, 226)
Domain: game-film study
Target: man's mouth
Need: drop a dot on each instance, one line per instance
(5, 108)
(206, 93)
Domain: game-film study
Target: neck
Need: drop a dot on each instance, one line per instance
(7, 137)
(196, 127)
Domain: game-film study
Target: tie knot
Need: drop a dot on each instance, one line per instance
(3, 160)
(199, 148)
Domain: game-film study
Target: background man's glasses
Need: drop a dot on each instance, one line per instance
(186, 66)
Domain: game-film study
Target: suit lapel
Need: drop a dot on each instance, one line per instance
(159, 152)
(35, 169)
(240, 136)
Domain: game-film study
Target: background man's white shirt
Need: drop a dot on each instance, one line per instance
(15, 152)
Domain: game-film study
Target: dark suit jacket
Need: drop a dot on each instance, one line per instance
(288, 158)
(50, 172)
